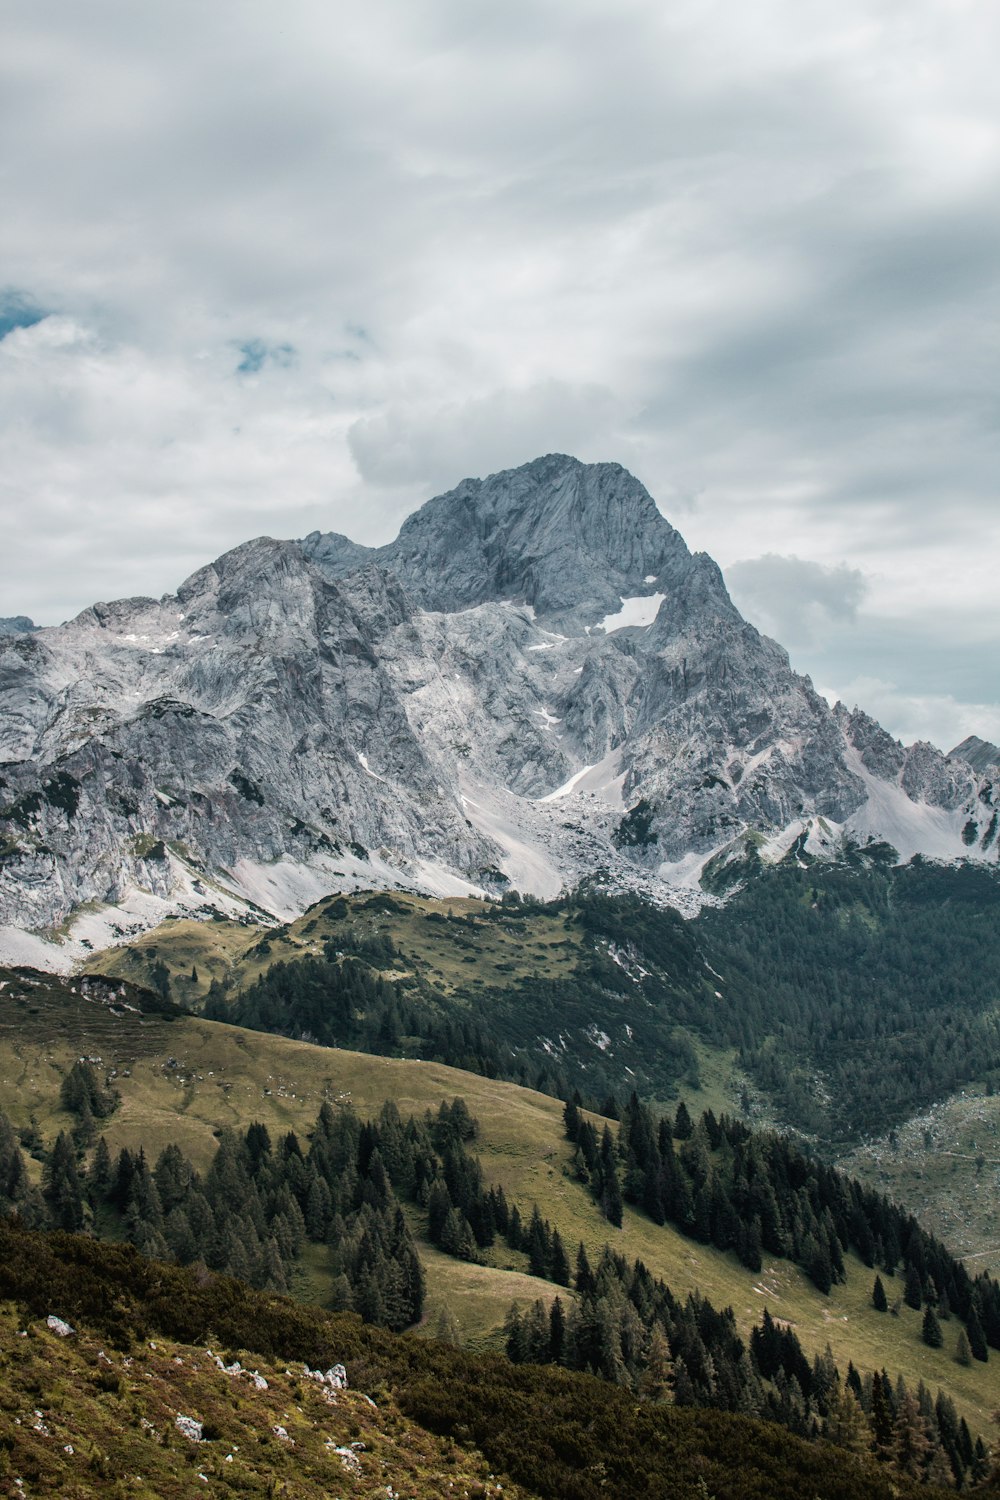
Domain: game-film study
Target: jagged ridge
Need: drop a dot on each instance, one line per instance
(535, 681)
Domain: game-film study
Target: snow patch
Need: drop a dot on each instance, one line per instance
(638, 612)
(363, 762)
(17, 947)
(551, 644)
(599, 1038)
(567, 786)
(526, 865)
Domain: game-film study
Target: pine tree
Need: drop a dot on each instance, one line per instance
(977, 1339)
(100, 1174)
(879, 1300)
(560, 1268)
(538, 1244)
(584, 1279)
(932, 1334)
(446, 1329)
(911, 1441)
(61, 1185)
(846, 1424)
(655, 1381)
(962, 1351)
(882, 1415)
(557, 1332)
(515, 1338)
(913, 1287)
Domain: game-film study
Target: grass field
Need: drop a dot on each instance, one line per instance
(944, 1164)
(183, 1080)
(78, 1417)
(452, 943)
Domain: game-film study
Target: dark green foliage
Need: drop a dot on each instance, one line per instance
(636, 828)
(340, 1001)
(160, 976)
(879, 1300)
(931, 1332)
(61, 1185)
(563, 1435)
(977, 1338)
(913, 1287)
(346, 999)
(880, 979)
(82, 1092)
(748, 1191)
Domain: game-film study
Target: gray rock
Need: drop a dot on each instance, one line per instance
(485, 700)
(980, 754)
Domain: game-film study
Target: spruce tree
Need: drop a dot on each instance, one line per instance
(560, 1269)
(977, 1339)
(932, 1334)
(879, 1299)
(61, 1185)
(913, 1288)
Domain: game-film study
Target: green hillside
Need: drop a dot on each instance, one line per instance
(833, 998)
(181, 1079)
(594, 992)
(96, 1412)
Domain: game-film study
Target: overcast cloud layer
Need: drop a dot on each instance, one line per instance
(271, 269)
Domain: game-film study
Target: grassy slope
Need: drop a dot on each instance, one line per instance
(452, 957)
(83, 1419)
(225, 1076)
(78, 1419)
(944, 1164)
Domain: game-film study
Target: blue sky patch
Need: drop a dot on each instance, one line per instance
(18, 311)
(256, 353)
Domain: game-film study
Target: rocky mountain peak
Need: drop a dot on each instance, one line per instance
(565, 537)
(978, 753)
(535, 681)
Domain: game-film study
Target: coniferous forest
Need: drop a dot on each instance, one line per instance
(350, 1186)
(846, 1006)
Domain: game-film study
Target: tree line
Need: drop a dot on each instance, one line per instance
(753, 1192)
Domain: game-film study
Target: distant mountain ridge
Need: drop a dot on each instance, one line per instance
(16, 625)
(536, 681)
(980, 754)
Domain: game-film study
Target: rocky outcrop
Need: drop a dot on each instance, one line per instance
(535, 681)
(980, 754)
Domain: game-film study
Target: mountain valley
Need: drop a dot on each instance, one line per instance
(464, 901)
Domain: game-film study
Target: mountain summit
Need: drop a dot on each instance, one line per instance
(564, 537)
(534, 682)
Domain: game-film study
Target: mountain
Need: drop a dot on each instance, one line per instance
(16, 625)
(536, 681)
(978, 753)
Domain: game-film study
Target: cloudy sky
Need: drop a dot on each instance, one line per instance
(274, 267)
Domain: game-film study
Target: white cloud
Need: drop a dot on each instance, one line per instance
(755, 257)
(795, 600)
(441, 444)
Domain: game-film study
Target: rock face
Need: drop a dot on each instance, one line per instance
(535, 681)
(977, 753)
